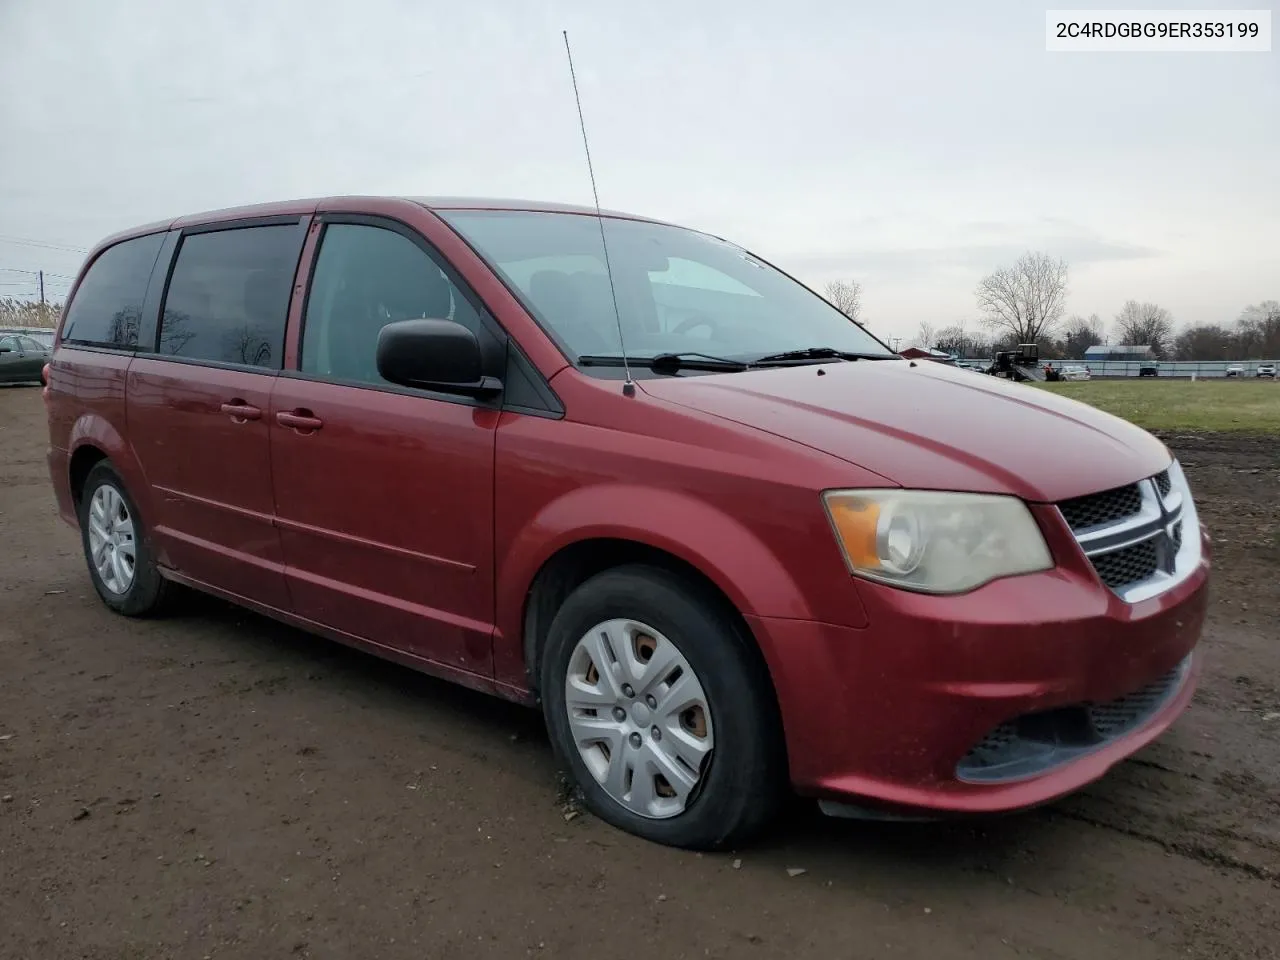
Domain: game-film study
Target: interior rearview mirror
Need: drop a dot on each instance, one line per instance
(434, 355)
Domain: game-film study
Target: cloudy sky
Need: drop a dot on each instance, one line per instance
(912, 146)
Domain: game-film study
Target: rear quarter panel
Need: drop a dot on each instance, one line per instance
(86, 407)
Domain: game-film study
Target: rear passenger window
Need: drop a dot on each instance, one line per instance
(228, 298)
(364, 278)
(107, 307)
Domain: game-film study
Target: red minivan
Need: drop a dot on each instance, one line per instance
(728, 541)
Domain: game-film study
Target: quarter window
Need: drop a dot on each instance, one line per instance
(366, 277)
(228, 298)
(107, 307)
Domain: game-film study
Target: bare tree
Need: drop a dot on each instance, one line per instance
(926, 336)
(1145, 324)
(846, 296)
(959, 340)
(1258, 330)
(1079, 334)
(952, 339)
(1025, 301)
(248, 345)
(1209, 342)
(174, 334)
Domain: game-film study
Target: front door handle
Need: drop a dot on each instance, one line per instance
(299, 420)
(239, 411)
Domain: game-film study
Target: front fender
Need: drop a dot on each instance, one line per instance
(728, 553)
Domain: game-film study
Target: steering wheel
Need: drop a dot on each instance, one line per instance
(695, 321)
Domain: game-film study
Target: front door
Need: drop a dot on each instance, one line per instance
(198, 405)
(384, 495)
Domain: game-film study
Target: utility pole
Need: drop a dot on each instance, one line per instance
(42, 288)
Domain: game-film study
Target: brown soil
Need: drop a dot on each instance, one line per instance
(215, 785)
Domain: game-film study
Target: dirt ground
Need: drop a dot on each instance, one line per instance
(214, 785)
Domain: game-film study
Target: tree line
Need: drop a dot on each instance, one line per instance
(1025, 302)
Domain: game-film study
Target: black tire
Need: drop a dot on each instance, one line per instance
(746, 778)
(148, 591)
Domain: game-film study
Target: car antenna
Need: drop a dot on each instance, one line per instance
(628, 386)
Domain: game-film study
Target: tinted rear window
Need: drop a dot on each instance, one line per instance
(107, 307)
(228, 297)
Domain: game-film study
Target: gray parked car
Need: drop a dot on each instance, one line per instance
(21, 358)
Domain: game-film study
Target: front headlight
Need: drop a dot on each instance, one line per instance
(935, 542)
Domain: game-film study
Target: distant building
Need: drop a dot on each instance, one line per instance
(1119, 352)
(918, 353)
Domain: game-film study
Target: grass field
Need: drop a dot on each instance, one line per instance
(1248, 406)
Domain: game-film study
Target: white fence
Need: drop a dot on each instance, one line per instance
(1181, 368)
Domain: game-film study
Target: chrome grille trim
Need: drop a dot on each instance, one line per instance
(1165, 516)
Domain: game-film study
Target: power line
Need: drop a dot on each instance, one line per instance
(27, 242)
(50, 279)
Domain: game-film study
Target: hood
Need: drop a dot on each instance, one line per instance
(930, 426)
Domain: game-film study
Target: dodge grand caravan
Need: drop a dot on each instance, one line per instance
(729, 542)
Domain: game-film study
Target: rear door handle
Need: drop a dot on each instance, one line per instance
(300, 420)
(239, 411)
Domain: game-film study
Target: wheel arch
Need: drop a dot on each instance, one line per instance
(575, 563)
(579, 561)
(94, 438)
(592, 528)
(83, 459)
(602, 527)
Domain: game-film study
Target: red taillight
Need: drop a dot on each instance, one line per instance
(44, 381)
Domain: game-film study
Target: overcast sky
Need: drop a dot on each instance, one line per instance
(910, 146)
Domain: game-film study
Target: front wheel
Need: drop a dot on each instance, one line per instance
(662, 711)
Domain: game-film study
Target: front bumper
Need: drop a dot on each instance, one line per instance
(889, 713)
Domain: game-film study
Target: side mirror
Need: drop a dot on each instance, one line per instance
(4, 349)
(434, 355)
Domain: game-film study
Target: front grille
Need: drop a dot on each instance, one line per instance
(1132, 535)
(1127, 565)
(1101, 508)
(1035, 743)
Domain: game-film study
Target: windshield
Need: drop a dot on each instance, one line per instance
(679, 291)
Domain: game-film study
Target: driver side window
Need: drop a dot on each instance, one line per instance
(364, 278)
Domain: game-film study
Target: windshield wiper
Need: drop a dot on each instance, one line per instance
(816, 354)
(669, 362)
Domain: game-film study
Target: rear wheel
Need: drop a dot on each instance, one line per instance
(662, 711)
(116, 547)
